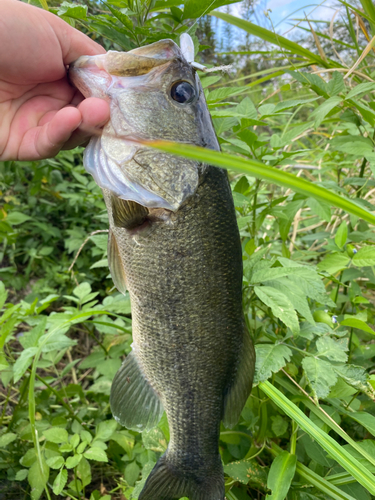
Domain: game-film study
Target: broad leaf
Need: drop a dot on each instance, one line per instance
(280, 305)
(364, 257)
(60, 481)
(270, 358)
(280, 475)
(320, 374)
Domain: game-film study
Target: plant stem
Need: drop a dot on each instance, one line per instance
(65, 405)
(257, 183)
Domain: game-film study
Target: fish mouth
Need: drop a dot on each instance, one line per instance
(93, 74)
(115, 158)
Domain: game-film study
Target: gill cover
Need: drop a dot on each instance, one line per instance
(137, 85)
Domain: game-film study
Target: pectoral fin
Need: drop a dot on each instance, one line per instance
(115, 264)
(134, 403)
(240, 389)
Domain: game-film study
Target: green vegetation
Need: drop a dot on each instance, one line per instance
(296, 124)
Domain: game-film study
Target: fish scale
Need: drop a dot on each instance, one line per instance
(191, 355)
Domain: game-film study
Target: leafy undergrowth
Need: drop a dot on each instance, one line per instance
(307, 431)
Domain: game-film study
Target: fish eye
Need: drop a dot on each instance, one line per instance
(182, 92)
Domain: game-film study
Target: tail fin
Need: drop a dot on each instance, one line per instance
(167, 482)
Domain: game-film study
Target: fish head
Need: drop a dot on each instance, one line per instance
(154, 93)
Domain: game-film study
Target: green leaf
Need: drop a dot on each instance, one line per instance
(279, 425)
(21, 475)
(369, 9)
(365, 419)
(247, 470)
(55, 462)
(132, 471)
(31, 338)
(197, 8)
(289, 211)
(97, 454)
(223, 92)
(74, 440)
(38, 477)
(280, 475)
(73, 461)
(356, 376)
(3, 294)
(341, 235)
(365, 257)
(336, 85)
(296, 296)
(84, 471)
(357, 323)
(292, 103)
(279, 272)
(100, 263)
(145, 473)
(280, 305)
(270, 358)
(262, 171)
(123, 18)
(154, 440)
(334, 350)
(315, 452)
(56, 435)
(23, 362)
(105, 429)
(7, 438)
(82, 290)
(337, 452)
(322, 111)
(362, 88)
(334, 262)
(320, 374)
(15, 218)
(353, 144)
(73, 10)
(60, 481)
(321, 209)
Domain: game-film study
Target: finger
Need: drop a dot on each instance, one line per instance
(95, 114)
(46, 140)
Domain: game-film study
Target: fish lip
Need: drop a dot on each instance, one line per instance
(85, 62)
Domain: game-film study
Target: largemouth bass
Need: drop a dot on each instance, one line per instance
(174, 244)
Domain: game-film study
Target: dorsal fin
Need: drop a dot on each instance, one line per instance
(128, 214)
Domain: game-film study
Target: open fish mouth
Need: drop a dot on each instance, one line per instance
(154, 93)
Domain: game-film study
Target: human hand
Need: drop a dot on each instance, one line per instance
(40, 112)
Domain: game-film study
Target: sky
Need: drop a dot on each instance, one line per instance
(282, 12)
(282, 9)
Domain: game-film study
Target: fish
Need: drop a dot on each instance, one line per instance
(174, 245)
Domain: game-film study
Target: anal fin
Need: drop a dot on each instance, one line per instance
(115, 264)
(134, 403)
(241, 387)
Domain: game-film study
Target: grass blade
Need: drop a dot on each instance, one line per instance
(273, 38)
(342, 457)
(313, 478)
(324, 417)
(260, 171)
(369, 8)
